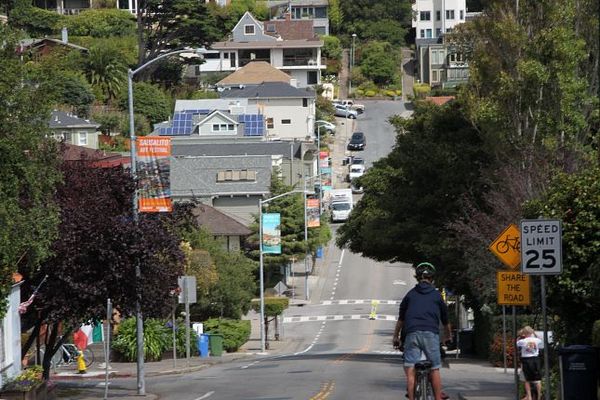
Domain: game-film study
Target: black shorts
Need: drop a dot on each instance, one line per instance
(532, 369)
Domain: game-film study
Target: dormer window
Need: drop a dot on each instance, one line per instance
(249, 30)
(271, 28)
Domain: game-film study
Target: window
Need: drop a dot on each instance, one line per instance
(215, 128)
(248, 29)
(312, 78)
(82, 140)
(422, 33)
(270, 28)
(428, 33)
(305, 102)
(449, 14)
(448, 30)
(425, 15)
(437, 57)
(438, 32)
(236, 175)
(320, 12)
(435, 76)
(438, 15)
(230, 127)
(286, 121)
(269, 123)
(462, 14)
(226, 55)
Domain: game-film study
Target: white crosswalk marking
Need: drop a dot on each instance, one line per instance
(318, 318)
(360, 301)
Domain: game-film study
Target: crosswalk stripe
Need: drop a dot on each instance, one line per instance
(361, 301)
(379, 317)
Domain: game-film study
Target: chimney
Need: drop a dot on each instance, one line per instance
(65, 35)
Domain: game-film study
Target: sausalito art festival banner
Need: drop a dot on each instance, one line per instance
(313, 219)
(271, 233)
(153, 171)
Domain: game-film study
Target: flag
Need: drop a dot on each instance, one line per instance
(83, 336)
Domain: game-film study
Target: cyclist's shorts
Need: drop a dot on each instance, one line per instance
(422, 341)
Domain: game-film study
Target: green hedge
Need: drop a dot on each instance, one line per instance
(235, 332)
(273, 305)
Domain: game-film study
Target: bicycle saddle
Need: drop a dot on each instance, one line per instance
(425, 364)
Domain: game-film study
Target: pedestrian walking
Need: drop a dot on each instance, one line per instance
(529, 348)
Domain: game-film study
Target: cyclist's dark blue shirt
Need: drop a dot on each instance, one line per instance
(422, 309)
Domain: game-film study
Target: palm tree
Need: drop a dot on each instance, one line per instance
(107, 69)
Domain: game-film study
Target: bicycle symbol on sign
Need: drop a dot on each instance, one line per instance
(508, 243)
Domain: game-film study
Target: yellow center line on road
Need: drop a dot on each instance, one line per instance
(327, 389)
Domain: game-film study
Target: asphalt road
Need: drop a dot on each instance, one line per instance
(338, 352)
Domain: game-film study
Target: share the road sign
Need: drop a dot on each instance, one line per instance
(513, 288)
(541, 247)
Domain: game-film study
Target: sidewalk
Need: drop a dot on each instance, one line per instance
(495, 385)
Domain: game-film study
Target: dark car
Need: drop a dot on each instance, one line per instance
(358, 141)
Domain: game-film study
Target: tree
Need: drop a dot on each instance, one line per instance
(107, 69)
(360, 15)
(332, 47)
(28, 168)
(74, 90)
(95, 257)
(102, 23)
(336, 15)
(33, 20)
(573, 199)
(164, 25)
(376, 63)
(150, 101)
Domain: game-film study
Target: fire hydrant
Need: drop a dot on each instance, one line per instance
(80, 363)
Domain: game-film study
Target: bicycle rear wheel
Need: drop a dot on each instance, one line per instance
(88, 357)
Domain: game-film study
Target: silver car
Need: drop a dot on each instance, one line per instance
(345, 112)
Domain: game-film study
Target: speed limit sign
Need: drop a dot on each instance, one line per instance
(541, 246)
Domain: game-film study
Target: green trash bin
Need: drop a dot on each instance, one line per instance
(215, 342)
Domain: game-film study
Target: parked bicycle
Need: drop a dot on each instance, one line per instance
(67, 354)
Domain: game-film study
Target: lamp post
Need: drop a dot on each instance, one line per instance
(351, 64)
(141, 384)
(261, 263)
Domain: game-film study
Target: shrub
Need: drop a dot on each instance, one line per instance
(359, 92)
(421, 90)
(204, 94)
(34, 20)
(156, 339)
(235, 332)
(148, 100)
(102, 23)
(495, 355)
(398, 92)
(390, 93)
(370, 93)
(26, 380)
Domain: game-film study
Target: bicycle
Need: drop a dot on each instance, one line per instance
(507, 244)
(67, 354)
(423, 389)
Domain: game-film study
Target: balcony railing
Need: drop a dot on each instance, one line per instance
(290, 61)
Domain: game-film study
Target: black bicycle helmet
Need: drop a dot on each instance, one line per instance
(424, 270)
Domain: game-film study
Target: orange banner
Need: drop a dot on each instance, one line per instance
(154, 174)
(313, 219)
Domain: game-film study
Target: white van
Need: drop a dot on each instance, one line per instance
(341, 204)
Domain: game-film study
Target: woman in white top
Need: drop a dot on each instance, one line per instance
(529, 345)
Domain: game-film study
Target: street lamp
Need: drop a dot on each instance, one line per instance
(261, 264)
(351, 64)
(141, 384)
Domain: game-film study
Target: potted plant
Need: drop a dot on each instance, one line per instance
(28, 385)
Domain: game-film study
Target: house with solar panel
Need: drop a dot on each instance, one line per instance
(288, 45)
(213, 119)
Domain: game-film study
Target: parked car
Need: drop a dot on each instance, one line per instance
(360, 108)
(344, 111)
(325, 126)
(357, 161)
(358, 141)
(355, 171)
(356, 188)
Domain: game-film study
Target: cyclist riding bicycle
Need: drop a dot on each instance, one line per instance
(421, 312)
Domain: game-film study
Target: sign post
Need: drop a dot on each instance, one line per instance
(541, 254)
(187, 295)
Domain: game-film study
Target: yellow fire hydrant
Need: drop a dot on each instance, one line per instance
(80, 363)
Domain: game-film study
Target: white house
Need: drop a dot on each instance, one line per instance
(74, 130)
(288, 45)
(10, 346)
(438, 64)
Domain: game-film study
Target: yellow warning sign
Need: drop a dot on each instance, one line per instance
(507, 246)
(513, 288)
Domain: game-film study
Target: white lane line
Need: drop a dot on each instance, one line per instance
(379, 317)
(206, 396)
(359, 301)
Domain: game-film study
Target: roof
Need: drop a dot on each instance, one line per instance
(218, 223)
(212, 104)
(272, 3)
(297, 29)
(184, 148)
(98, 158)
(61, 119)
(255, 73)
(32, 43)
(268, 90)
(268, 45)
(439, 100)
(197, 176)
